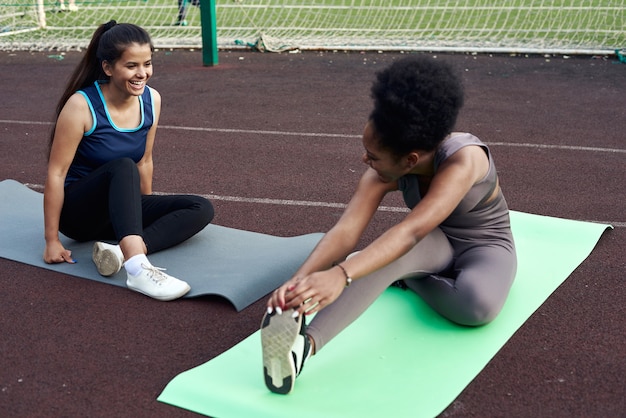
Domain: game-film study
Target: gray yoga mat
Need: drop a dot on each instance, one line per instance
(241, 266)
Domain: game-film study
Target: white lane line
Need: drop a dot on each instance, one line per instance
(347, 136)
(560, 147)
(308, 203)
(260, 132)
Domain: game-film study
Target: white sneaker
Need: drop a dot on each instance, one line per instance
(285, 348)
(156, 284)
(107, 258)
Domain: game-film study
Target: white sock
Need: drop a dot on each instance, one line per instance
(135, 264)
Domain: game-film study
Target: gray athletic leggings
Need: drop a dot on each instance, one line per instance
(469, 289)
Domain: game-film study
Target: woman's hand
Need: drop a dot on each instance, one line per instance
(310, 293)
(56, 253)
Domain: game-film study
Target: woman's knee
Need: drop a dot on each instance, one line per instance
(204, 209)
(476, 310)
(121, 164)
(477, 318)
(123, 170)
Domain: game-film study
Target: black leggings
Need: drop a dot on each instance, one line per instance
(108, 205)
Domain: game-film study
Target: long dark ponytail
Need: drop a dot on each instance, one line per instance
(107, 44)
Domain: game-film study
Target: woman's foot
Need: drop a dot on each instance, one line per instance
(285, 349)
(151, 281)
(108, 258)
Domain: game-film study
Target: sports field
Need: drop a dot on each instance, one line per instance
(274, 141)
(336, 24)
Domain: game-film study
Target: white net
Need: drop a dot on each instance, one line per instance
(568, 26)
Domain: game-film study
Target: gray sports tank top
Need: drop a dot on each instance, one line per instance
(473, 221)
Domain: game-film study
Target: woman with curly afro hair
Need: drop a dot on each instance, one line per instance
(454, 248)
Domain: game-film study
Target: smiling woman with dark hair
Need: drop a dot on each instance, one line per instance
(99, 184)
(455, 248)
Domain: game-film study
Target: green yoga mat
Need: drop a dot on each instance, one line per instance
(399, 358)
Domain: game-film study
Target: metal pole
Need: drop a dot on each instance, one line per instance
(209, 32)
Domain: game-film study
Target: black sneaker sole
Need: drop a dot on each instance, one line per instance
(278, 334)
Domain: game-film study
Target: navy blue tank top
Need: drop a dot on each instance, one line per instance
(105, 142)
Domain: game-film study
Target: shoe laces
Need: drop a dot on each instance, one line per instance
(156, 274)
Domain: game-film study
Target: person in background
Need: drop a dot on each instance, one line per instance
(99, 181)
(183, 9)
(72, 7)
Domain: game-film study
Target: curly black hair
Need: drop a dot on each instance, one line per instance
(416, 103)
